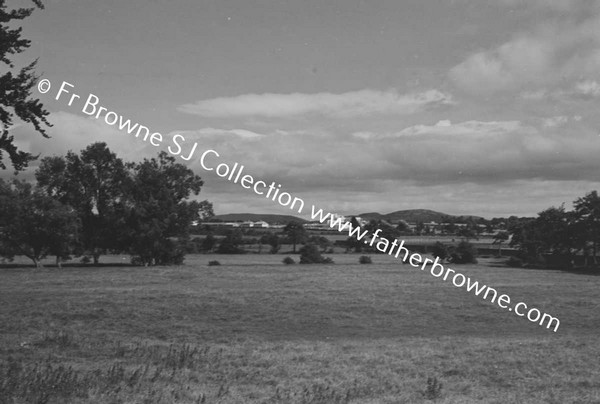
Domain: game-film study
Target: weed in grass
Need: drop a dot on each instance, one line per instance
(60, 339)
(39, 383)
(433, 390)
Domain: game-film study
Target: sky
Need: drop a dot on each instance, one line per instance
(482, 107)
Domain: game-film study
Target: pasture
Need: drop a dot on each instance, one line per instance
(254, 330)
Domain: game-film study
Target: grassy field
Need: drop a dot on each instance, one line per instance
(256, 331)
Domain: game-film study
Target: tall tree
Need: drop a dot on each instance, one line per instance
(587, 216)
(15, 88)
(296, 233)
(34, 224)
(95, 183)
(160, 215)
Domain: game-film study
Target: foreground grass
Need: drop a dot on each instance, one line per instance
(255, 331)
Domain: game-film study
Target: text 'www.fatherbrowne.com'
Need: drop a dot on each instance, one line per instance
(398, 250)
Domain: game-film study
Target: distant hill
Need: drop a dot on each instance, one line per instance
(255, 217)
(414, 216)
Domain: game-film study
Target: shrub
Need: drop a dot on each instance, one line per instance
(439, 250)
(365, 259)
(213, 263)
(515, 262)
(464, 253)
(433, 390)
(310, 254)
(288, 260)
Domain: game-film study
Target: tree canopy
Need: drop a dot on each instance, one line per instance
(15, 88)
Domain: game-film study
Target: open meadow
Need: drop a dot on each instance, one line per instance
(254, 330)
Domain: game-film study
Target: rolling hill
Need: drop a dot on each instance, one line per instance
(415, 215)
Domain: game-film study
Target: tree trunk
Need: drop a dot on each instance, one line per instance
(96, 258)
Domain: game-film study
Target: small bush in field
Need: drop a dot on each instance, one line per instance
(213, 263)
(515, 262)
(365, 259)
(288, 260)
(310, 254)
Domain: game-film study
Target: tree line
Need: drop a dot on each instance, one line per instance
(560, 238)
(94, 203)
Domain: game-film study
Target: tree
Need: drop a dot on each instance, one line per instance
(159, 215)
(320, 241)
(230, 243)
(587, 219)
(310, 254)
(15, 97)
(500, 238)
(403, 228)
(206, 210)
(34, 224)
(464, 253)
(208, 243)
(272, 240)
(467, 232)
(551, 233)
(96, 184)
(296, 233)
(439, 250)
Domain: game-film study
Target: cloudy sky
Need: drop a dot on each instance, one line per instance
(462, 106)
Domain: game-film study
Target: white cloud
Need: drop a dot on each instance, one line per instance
(552, 56)
(524, 60)
(241, 133)
(555, 121)
(363, 102)
(446, 128)
(588, 88)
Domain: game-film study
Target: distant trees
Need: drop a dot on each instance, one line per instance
(34, 224)
(439, 250)
(296, 233)
(499, 238)
(231, 242)
(15, 97)
(556, 236)
(463, 253)
(93, 203)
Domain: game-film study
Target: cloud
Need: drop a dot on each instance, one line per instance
(241, 133)
(551, 56)
(553, 5)
(555, 121)
(446, 128)
(589, 88)
(523, 61)
(363, 102)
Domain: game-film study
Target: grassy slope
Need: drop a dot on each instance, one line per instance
(256, 331)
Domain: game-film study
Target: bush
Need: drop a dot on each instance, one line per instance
(288, 260)
(439, 250)
(365, 259)
(515, 262)
(310, 254)
(464, 253)
(213, 263)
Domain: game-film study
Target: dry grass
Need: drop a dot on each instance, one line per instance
(254, 330)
